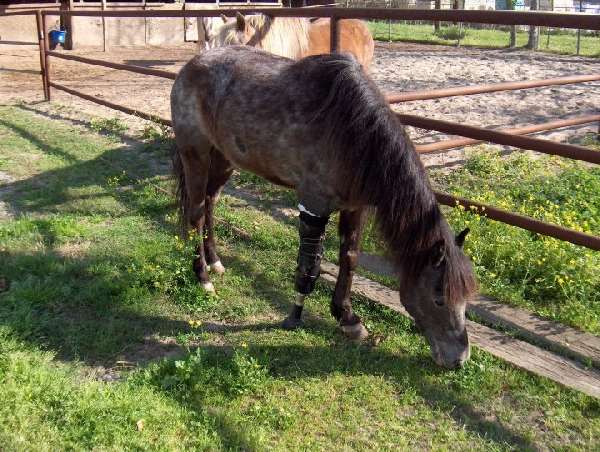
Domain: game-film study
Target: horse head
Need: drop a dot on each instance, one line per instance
(240, 30)
(436, 299)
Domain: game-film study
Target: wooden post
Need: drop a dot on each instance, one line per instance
(334, 39)
(103, 27)
(46, 61)
(41, 39)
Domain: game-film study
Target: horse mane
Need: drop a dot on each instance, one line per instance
(283, 36)
(381, 168)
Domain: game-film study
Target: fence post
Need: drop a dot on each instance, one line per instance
(103, 6)
(334, 39)
(46, 61)
(41, 39)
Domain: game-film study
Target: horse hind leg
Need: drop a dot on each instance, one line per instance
(350, 229)
(192, 164)
(219, 174)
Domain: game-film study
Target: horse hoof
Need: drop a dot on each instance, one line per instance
(217, 267)
(208, 286)
(356, 332)
(291, 323)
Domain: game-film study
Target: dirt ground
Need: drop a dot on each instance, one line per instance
(397, 67)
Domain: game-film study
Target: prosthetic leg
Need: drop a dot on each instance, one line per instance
(312, 235)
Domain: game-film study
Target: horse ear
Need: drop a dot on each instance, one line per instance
(240, 21)
(438, 253)
(224, 18)
(460, 238)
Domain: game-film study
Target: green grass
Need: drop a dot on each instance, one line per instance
(97, 277)
(561, 42)
(555, 279)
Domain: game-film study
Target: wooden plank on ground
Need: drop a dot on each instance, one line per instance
(561, 338)
(517, 352)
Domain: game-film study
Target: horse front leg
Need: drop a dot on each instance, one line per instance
(310, 253)
(350, 229)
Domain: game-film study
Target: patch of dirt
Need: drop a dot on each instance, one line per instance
(153, 348)
(72, 250)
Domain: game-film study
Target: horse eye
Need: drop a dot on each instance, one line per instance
(439, 301)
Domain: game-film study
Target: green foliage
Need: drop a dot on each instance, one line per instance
(561, 41)
(554, 278)
(207, 375)
(156, 132)
(451, 33)
(113, 127)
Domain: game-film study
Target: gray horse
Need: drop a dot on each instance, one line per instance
(322, 128)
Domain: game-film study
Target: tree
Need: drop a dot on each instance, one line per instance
(510, 4)
(534, 32)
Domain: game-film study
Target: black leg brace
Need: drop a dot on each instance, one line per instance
(312, 235)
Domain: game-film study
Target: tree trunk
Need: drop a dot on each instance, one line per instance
(66, 24)
(534, 32)
(436, 24)
(513, 28)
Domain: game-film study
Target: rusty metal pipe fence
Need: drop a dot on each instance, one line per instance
(510, 137)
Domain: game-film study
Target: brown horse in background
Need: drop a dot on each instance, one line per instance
(321, 127)
(291, 37)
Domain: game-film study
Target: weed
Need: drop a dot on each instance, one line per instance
(113, 127)
(451, 33)
(156, 132)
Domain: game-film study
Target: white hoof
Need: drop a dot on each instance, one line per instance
(208, 286)
(217, 267)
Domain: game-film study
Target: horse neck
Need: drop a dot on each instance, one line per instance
(287, 37)
(408, 214)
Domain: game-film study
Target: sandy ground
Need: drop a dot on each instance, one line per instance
(397, 67)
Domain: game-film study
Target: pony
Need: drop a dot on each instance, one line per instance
(321, 127)
(291, 37)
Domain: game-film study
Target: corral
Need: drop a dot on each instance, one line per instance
(153, 102)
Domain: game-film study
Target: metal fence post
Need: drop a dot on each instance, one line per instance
(334, 30)
(41, 39)
(46, 61)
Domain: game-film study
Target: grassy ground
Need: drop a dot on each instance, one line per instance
(555, 279)
(99, 280)
(559, 42)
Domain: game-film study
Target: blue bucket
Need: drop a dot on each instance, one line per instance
(57, 37)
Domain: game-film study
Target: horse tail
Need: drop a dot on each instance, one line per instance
(181, 189)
